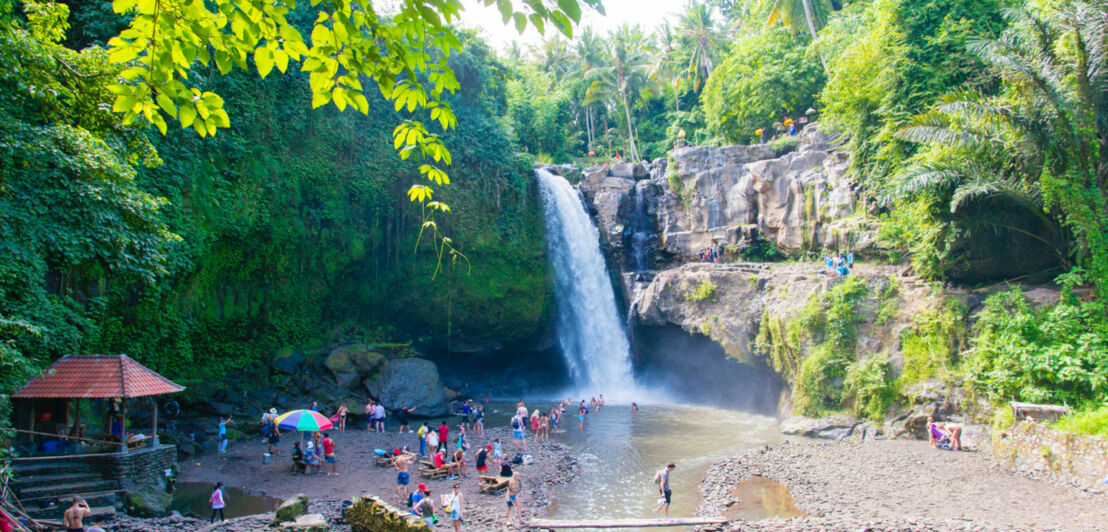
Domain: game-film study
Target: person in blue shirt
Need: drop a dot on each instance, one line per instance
(223, 434)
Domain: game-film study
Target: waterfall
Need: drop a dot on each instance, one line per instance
(589, 329)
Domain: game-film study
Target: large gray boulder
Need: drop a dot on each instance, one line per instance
(351, 364)
(287, 360)
(836, 427)
(411, 381)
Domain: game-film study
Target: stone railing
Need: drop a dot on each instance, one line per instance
(372, 514)
(1041, 451)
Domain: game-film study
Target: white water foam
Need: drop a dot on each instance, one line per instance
(590, 331)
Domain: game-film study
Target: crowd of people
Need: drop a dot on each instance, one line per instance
(440, 447)
(713, 253)
(838, 265)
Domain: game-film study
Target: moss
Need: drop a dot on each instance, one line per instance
(704, 291)
(931, 346)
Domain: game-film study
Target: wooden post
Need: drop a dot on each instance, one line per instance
(123, 426)
(154, 401)
(32, 436)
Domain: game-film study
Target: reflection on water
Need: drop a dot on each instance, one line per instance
(762, 498)
(619, 454)
(193, 497)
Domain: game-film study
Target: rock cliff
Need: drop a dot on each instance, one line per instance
(669, 210)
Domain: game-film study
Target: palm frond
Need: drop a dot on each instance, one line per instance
(939, 135)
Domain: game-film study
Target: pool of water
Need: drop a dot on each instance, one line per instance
(619, 453)
(192, 497)
(762, 498)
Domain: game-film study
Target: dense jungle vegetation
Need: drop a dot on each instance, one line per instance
(198, 197)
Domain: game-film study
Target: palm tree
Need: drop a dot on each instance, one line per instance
(588, 53)
(552, 55)
(1044, 139)
(668, 68)
(625, 77)
(697, 30)
(796, 14)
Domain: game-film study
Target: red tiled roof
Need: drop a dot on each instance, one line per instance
(97, 377)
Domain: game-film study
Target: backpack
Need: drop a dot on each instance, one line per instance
(411, 499)
(528, 460)
(518, 459)
(515, 423)
(505, 470)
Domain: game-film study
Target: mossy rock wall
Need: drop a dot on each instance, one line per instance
(372, 514)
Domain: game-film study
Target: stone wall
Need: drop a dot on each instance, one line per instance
(1038, 450)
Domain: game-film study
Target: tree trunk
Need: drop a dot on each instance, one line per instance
(630, 128)
(812, 28)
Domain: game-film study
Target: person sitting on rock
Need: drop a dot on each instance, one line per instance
(944, 435)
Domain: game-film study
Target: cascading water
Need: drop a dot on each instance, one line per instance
(589, 329)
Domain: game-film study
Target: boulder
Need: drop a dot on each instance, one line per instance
(290, 509)
(350, 364)
(836, 427)
(624, 170)
(307, 523)
(150, 502)
(287, 361)
(411, 381)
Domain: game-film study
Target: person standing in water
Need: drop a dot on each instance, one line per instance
(581, 412)
(402, 418)
(514, 489)
(634, 409)
(73, 518)
(479, 420)
(661, 478)
(217, 502)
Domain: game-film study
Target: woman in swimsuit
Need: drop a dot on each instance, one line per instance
(513, 498)
(581, 411)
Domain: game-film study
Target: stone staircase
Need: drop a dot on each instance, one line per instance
(46, 487)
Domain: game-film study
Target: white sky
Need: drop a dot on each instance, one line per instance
(646, 13)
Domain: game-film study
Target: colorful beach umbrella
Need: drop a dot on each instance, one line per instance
(303, 420)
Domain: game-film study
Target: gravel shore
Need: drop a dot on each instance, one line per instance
(900, 485)
(242, 467)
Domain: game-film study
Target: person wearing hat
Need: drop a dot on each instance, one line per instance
(274, 433)
(480, 459)
(414, 497)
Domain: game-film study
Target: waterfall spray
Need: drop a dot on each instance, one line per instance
(592, 338)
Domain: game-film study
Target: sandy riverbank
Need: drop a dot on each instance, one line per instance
(900, 485)
(242, 467)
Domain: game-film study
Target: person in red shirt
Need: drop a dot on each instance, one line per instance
(331, 466)
(441, 463)
(444, 432)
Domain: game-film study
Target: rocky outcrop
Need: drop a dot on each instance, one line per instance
(290, 509)
(411, 381)
(351, 364)
(735, 195)
(730, 303)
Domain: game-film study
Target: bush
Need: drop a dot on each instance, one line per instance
(930, 348)
(1093, 421)
(784, 145)
(868, 388)
(1049, 355)
(762, 251)
(704, 291)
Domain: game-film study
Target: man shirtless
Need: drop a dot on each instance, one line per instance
(401, 464)
(73, 519)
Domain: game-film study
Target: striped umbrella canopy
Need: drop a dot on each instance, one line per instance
(303, 420)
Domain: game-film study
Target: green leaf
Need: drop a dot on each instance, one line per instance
(167, 105)
(263, 57)
(505, 7)
(571, 8)
(521, 22)
(188, 115)
(123, 54)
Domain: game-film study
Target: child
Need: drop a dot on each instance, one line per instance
(217, 502)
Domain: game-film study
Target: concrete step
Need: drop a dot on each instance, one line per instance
(59, 466)
(54, 513)
(24, 481)
(68, 488)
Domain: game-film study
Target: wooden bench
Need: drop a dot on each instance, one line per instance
(493, 485)
(433, 473)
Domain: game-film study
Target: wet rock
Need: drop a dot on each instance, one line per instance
(411, 381)
(149, 502)
(307, 523)
(350, 364)
(290, 509)
(624, 170)
(287, 361)
(834, 427)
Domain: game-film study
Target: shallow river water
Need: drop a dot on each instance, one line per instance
(619, 454)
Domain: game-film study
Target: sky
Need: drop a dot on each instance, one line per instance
(646, 13)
